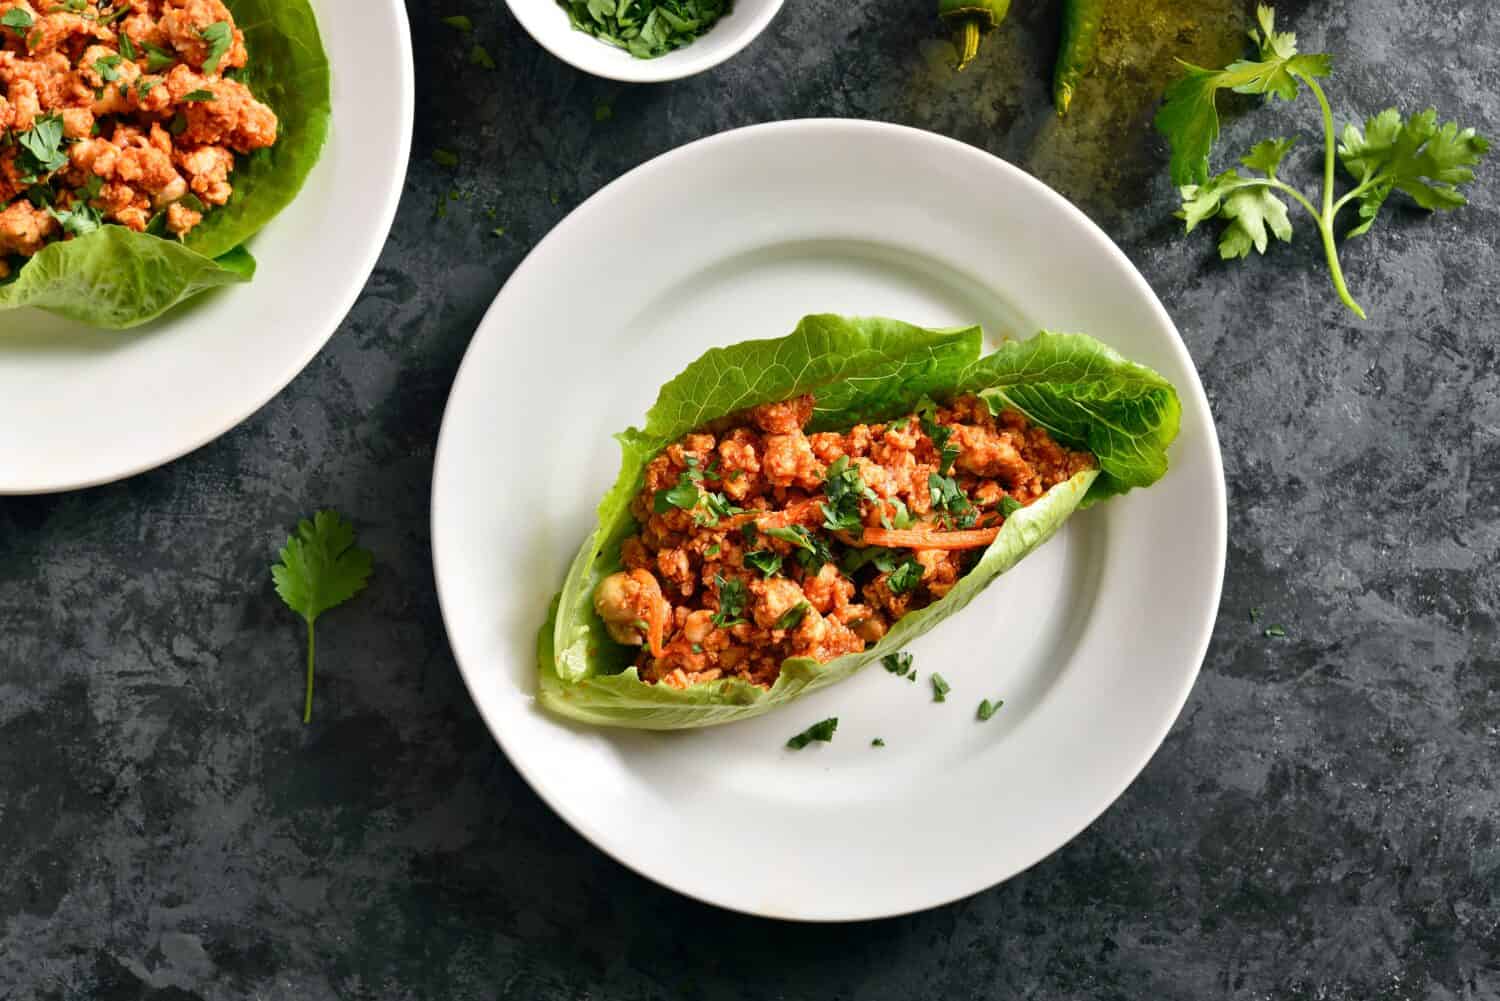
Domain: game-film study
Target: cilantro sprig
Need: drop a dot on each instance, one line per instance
(320, 568)
(1415, 155)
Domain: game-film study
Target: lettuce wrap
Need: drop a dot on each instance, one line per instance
(117, 278)
(861, 370)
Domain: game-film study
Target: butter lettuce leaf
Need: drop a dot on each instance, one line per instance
(115, 278)
(861, 369)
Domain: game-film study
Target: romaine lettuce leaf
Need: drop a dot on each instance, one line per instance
(115, 278)
(860, 370)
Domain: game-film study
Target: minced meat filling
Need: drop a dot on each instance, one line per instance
(118, 111)
(760, 542)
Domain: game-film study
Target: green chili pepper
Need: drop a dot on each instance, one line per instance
(969, 19)
(1080, 36)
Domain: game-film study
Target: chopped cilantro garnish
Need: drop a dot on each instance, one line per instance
(157, 58)
(845, 488)
(219, 36)
(898, 664)
(127, 47)
(1009, 506)
(987, 708)
(444, 157)
(946, 459)
(940, 688)
(1276, 631)
(198, 95)
(812, 552)
(178, 124)
(878, 742)
(732, 597)
(41, 147)
(905, 577)
(713, 550)
(767, 562)
(948, 496)
(793, 616)
(822, 730)
(17, 19)
(108, 67)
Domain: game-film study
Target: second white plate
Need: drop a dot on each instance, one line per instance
(1093, 642)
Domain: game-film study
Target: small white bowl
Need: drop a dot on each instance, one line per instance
(548, 23)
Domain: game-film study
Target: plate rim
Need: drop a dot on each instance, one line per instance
(1218, 502)
(386, 213)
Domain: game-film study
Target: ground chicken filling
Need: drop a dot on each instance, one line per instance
(118, 111)
(760, 542)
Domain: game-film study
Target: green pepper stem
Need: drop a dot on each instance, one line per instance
(966, 39)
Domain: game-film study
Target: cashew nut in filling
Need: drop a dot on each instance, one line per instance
(633, 609)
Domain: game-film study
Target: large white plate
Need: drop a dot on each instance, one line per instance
(1093, 642)
(80, 406)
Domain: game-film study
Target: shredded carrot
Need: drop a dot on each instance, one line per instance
(656, 616)
(917, 538)
(808, 511)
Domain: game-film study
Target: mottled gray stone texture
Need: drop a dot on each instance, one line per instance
(1321, 823)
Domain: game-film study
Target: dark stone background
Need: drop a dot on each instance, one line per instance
(1322, 822)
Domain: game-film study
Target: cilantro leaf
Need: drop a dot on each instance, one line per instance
(821, 731)
(845, 487)
(17, 19)
(767, 562)
(158, 58)
(1415, 156)
(905, 577)
(898, 663)
(320, 568)
(1189, 119)
(732, 597)
(80, 220)
(1009, 506)
(219, 36)
(793, 616)
(41, 147)
(940, 688)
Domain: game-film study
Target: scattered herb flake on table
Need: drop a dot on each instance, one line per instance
(445, 158)
(898, 663)
(987, 708)
(822, 730)
(878, 742)
(645, 28)
(480, 56)
(460, 22)
(320, 568)
(1275, 631)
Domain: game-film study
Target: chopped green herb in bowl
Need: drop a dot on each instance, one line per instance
(642, 41)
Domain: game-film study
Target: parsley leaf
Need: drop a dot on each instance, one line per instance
(767, 562)
(987, 708)
(905, 577)
(320, 568)
(80, 220)
(158, 58)
(1415, 156)
(940, 688)
(732, 597)
(821, 731)
(845, 487)
(793, 616)
(1189, 119)
(219, 36)
(17, 19)
(898, 663)
(41, 147)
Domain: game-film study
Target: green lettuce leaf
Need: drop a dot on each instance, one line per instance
(115, 278)
(860, 370)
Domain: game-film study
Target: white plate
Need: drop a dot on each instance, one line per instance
(80, 406)
(1093, 642)
(548, 23)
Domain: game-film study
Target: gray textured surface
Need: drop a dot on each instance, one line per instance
(1321, 823)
